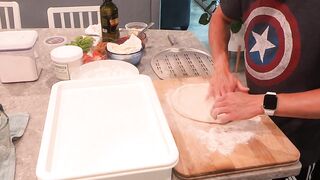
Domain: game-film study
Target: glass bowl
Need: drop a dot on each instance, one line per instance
(133, 58)
(135, 27)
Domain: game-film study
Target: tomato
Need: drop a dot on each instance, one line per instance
(86, 58)
(100, 47)
(96, 53)
(122, 39)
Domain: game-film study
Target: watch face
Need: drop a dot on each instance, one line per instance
(270, 102)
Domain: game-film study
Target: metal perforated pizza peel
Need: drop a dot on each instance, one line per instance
(182, 62)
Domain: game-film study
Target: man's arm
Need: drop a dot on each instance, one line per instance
(219, 35)
(301, 105)
(222, 80)
(237, 106)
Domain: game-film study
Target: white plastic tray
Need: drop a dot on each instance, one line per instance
(107, 128)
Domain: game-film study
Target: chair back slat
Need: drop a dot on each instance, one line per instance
(6, 15)
(79, 16)
(72, 20)
(11, 20)
(63, 23)
(81, 19)
(98, 17)
(90, 18)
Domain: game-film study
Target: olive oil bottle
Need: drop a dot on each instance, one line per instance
(109, 21)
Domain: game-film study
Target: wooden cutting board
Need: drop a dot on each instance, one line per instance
(211, 149)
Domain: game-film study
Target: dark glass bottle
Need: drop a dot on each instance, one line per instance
(109, 21)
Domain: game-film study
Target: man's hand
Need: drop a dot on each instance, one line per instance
(237, 106)
(223, 82)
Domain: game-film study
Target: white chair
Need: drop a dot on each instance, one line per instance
(236, 44)
(5, 14)
(73, 17)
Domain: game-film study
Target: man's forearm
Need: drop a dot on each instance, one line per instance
(222, 81)
(219, 35)
(302, 105)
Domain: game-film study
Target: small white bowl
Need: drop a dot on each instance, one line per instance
(135, 27)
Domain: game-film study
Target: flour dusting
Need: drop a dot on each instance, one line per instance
(220, 138)
(224, 138)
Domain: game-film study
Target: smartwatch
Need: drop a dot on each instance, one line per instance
(270, 102)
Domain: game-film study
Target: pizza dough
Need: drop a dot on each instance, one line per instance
(191, 102)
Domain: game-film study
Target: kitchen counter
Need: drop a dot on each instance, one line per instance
(33, 97)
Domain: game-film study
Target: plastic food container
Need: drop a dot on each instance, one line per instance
(66, 60)
(18, 58)
(106, 129)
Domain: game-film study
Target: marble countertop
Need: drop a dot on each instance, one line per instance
(33, 97)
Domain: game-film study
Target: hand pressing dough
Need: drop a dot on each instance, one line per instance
(191, 102)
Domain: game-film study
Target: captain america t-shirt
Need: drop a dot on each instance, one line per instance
(282, 54)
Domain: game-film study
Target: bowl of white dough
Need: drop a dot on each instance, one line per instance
(128, 48)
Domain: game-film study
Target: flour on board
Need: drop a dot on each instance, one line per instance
(224, 138)
(189, 101)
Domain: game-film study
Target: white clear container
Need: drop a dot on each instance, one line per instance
(135, 27)
(18, 58)
(106, 129)
(66, 60)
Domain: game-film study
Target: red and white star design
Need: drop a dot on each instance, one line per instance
(272, 42)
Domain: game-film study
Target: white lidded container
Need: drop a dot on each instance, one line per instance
(66, 60)
(106, 129)
(18, 58)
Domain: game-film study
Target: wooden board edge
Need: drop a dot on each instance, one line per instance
(213, 175)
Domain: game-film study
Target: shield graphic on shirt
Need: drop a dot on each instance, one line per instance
(272, 43)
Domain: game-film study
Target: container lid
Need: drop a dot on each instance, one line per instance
(65, 54)
(105, 128)
(17, 40)
(55, 40)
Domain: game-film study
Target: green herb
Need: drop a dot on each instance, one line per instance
(84, 42)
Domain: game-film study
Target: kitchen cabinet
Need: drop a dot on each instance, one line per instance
(129, 10)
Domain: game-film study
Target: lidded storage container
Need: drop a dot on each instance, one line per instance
(66, 60)
(111, 129)
(18, 58)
